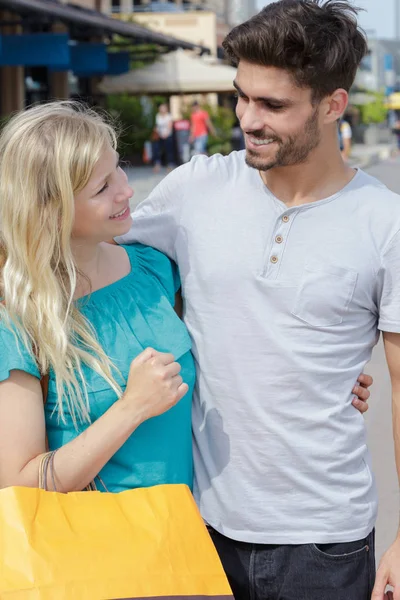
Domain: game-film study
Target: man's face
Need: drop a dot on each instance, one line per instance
(280, 124)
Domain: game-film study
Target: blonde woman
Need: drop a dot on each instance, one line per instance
(97, 319)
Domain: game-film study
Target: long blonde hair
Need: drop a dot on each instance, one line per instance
(47, 155)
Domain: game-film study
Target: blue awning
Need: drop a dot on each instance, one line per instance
(94, 21)
(35, 49)
(118, 63)
(89, 58)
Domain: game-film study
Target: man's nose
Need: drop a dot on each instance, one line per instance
(251, 119)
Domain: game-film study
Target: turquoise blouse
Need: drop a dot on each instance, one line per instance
(128, 316)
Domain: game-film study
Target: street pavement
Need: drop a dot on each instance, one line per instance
(378, 418)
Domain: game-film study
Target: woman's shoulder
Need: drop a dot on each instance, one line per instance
(149, 262)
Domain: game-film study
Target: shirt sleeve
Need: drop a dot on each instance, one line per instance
(14, 354)
(156, 220)
(389, 287)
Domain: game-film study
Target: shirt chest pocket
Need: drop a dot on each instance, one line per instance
(324, 294)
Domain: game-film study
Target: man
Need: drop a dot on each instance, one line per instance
(200, 127)
(290, 267)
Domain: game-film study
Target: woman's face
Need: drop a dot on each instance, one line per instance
(102, 207)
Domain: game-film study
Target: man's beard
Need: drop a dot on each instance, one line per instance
(294, 151)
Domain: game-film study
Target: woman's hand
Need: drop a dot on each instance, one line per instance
(154, 384)
(361, 390)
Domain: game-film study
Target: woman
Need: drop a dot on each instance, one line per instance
(163, 139)
(98, 319)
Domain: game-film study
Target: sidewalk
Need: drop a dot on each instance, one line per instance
(365, 156)
(143, 180)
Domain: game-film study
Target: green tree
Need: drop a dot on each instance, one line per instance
(136, 122)
(374, 111)
(3, 121)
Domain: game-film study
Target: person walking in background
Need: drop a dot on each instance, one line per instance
(163, 140)
(345, 137)
(394, 124)
(200, 127)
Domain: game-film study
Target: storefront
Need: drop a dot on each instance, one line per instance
(49, 50)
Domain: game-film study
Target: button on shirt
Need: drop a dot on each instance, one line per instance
(284, 306)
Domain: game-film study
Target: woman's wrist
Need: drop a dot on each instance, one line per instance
(129, 412)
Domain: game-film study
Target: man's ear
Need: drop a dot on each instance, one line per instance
(334, 106)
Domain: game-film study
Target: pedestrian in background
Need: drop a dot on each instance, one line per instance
(345, 138)
(290, 266)
(394, 124)
(200, 127)
(163, 140)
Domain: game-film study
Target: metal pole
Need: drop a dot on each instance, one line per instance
(397, 18)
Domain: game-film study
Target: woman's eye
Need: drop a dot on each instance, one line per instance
(105, 186)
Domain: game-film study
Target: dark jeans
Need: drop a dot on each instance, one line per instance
(305, 572)
(166, 147)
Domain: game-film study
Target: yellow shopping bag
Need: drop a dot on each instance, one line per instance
(142, 543)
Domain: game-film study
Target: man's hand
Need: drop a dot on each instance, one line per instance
(362, 392)
(388, 574)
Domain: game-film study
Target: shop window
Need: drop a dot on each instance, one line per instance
(116, 6)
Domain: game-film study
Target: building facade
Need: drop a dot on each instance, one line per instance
(199, 27)
(239, 11)
(380, 70)
(53, 49)
(206, 22)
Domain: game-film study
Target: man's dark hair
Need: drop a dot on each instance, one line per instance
(318, 42)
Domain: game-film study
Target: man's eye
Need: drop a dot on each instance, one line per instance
(275, 107)
(105, 186)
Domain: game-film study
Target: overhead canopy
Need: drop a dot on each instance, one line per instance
(177, 72)
(91, 19)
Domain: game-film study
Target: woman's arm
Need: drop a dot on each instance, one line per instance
(154, 386)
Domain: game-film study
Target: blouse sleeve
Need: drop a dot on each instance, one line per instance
(158, 265)
(14, 354)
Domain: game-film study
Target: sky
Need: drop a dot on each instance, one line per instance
(377, 19)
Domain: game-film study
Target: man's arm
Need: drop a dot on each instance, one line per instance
(389, 568)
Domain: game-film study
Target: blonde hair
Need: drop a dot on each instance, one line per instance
(47, 155)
